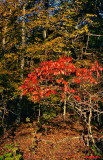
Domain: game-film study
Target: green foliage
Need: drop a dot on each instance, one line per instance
(11, 152)
(96, 152)
(48, 115)
(101, 133)
(27, 119)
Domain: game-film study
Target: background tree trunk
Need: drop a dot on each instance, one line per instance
(22, 63)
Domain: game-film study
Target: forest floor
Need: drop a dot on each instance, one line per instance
(55, 140)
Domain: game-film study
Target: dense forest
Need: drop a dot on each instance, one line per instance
(51, 54)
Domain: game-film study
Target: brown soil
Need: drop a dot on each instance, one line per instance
(53, 141)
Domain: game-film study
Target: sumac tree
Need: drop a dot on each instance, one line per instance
(75, 85)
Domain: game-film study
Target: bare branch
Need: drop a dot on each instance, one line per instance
(95, 35)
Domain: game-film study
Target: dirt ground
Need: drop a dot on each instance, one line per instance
(55, 140)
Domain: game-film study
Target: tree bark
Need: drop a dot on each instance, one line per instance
(22, 64)
(64, 114)
(39, 114)
(89, 125)
(23, 42)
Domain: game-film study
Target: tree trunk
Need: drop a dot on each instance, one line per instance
(64, 114)
(44, 34)
(22, 63)
(23, 42)
(3, 41)
(39, 114)
(90, 136)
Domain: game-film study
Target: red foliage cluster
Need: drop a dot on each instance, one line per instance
(38, 84)
(85, 75)
(93, 157)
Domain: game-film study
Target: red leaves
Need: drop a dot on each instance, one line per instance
(98, 75)
(72, 91)
(53, 92)
(22, 86)
(76, 80)
(84, 71)
(86, 75)
(100, 68)
(95, 66)
(70, 68)
(64, 82)
(48, 73)
(66, 89)
(89, 73)
(96, 63)
(47, 94)
(24, 92)
(65, 59)
(81, 72)
(59, 80)
(35, 93)
(78, 73)
(92, 157)
(35, 98)
(78, 98)
(56, 73)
